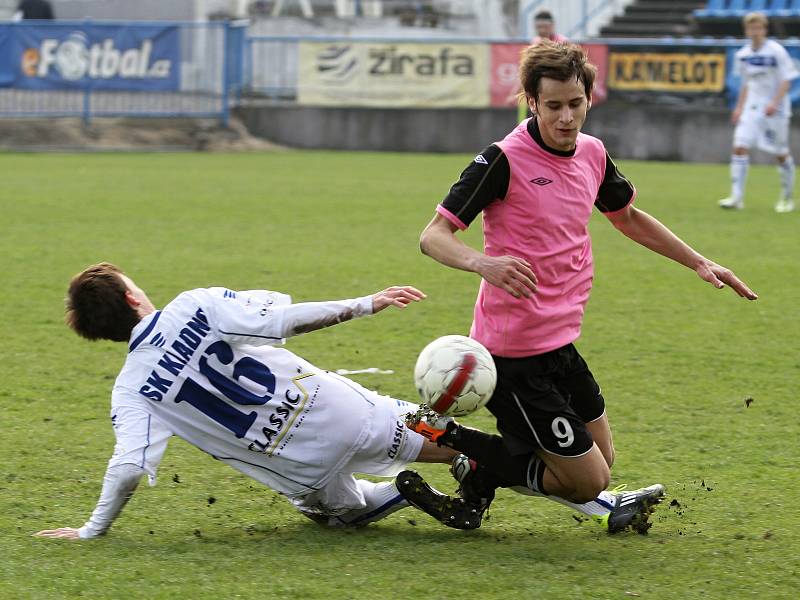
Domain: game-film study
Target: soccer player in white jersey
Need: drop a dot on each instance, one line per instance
(762, 111)
(204, 368)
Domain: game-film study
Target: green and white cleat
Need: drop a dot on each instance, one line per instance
(632, 510)
(784, 206)
(731, 204)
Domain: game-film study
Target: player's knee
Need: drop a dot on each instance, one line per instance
(740, 151)
(589, 487)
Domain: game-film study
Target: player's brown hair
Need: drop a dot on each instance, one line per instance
(96, 307)
(559, 61)
(755, 17)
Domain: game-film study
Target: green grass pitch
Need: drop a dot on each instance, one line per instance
(677, 361)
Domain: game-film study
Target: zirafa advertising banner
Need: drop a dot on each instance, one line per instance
(396, 75)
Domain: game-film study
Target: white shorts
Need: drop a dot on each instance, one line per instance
(770, 134)
(388, 449)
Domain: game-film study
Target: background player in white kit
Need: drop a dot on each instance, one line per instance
(204, 368)
(762, 111)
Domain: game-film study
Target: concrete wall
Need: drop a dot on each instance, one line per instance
(639, 131)
(405, 130)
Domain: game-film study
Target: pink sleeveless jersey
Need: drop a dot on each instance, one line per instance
(543, 219)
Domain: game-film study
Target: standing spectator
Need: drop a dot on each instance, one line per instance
(35, 9)
(546, 28)
(762, 111)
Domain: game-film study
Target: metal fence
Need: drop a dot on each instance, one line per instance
(103, 68)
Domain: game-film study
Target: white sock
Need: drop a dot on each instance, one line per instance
(739, 166)
(786, 170)
(599, 506)
(382, 500)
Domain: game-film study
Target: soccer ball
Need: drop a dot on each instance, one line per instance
(455, 375)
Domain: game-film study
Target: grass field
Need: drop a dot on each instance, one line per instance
(676, 358)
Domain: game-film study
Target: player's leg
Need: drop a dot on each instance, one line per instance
(556, 456)
(379, 500)
(616, 511)
(389, 447)
(744, 136)
(776, 141)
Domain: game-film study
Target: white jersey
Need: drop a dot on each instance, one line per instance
(762, 71)
(203, 369)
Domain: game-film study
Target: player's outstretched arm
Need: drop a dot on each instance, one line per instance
(650, 233)
(118, 486)
(510, 273)
(244, 318)
(141, 442)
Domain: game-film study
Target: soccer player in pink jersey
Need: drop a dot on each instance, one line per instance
(536, 189)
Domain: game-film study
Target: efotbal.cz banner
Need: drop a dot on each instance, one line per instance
(430, 75)
(103, 57)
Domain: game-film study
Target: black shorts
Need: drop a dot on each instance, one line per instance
(545, 401)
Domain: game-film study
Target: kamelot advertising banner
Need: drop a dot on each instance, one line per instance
(102, 57)
(504, 83)
(429, 75)
(666, 73)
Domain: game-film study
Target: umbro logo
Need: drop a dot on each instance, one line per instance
(158, 340)
(480, 160)
(541, 181)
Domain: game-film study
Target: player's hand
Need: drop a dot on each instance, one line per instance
(771, 109)
(67, 533)
(398, 295)
(736, 115)
(510, 273)
(719, 277)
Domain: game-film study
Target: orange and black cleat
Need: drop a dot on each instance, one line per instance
(430, 424)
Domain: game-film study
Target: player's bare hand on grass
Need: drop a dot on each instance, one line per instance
(397, 295)
(510, 273)
(67, 533)
(719, 277)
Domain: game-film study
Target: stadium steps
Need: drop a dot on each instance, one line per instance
(653, 18)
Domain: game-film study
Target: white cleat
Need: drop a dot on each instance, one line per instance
(784, 206)
(731, 204)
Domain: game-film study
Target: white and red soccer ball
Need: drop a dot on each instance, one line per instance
(455, 375)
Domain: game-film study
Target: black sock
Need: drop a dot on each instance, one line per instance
(489, 451)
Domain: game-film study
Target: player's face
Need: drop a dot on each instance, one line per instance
(544, 28)
(145, 306)
(561, 110)
(756, 32)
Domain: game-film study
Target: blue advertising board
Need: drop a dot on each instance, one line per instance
(733, 82)
(99, 56)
